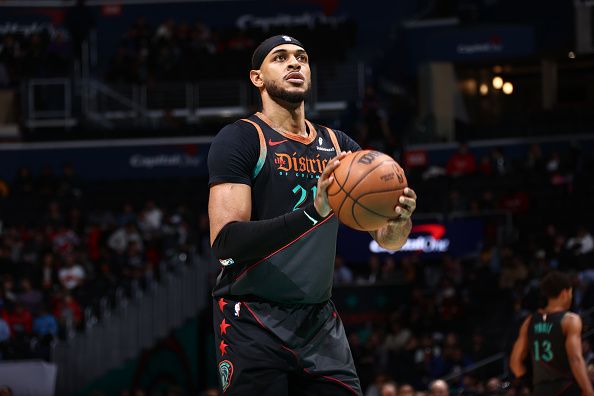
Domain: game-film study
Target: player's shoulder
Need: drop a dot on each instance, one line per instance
(238, 132)
(237, 127)
(572, 317)
(344, 140)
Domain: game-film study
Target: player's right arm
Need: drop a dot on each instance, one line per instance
(520, 350)
(572, 326)
(227, 203)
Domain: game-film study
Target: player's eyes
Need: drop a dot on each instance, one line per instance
(279, 58)
(302, 58)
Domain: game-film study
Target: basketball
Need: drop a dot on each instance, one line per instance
(365, 191)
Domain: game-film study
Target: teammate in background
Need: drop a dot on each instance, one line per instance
(552, 337)
(271, 228)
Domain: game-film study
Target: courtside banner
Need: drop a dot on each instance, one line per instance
(110, 160)
(457, 238)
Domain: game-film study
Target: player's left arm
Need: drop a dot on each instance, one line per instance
(572, 325)
(394, 235)
(520, 350)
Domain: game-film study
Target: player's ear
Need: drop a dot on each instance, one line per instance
(256, 78)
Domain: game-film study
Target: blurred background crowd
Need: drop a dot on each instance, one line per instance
(106, 113)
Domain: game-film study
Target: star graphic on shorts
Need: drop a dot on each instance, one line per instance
(222, 304)
(223, 347)
(224, 326)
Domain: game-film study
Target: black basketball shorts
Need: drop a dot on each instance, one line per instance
(268, 349)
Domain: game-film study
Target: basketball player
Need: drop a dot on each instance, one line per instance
(552, 337)
(272, 230)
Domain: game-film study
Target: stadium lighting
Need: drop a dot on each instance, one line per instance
(571, 55)
(497, 82)
(508, 88)
(484, 89)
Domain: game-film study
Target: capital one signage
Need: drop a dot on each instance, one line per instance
(426, 238)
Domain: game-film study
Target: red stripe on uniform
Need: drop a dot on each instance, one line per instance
(255, 316)
(348, 387)
(284, 247)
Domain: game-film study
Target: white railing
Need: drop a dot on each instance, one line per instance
(134, 324)
(51, 102)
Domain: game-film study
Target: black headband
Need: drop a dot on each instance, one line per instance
(268, 45)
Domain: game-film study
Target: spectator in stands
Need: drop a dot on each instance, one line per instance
(513, 270)
(462, 162)
(515, 201)
(69, 185)
(501, 164)
(439, 388)
(373, 274)
(29, 297)
(342, 273)
(390, 272)
(553, 163)
(67, 311)
(65, 240)
(389, 389)
(127, 215)
(493, 386)
(406, 390)
(582, 243)
(375, 388)
(485, 166)
(456, 202)
(150, 220)
(45, 182)
(135, 265)
(121, 238)
(4, 335)
(23, 184)
(48, 274)
(9, 294)
(19, 319)
(45, 324)
(535, 163)
(72, 275)
(398, 335)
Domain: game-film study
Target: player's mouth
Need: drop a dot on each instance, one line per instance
(295, 77)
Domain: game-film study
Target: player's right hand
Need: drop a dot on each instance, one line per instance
(321, 199)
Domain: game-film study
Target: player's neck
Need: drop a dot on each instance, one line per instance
(554, 306)
(285, 120)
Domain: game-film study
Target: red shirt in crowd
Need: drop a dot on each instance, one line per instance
(19, 320)
(461, 163)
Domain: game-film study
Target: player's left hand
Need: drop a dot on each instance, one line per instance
(393, 235)
(407, 203)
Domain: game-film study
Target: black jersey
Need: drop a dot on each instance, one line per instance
(283, 171)
(547, 348)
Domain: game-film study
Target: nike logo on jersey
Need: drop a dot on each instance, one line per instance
(271, 143)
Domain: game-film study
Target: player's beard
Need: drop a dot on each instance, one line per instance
(277, 93)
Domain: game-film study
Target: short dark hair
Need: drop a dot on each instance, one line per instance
(553, 283)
